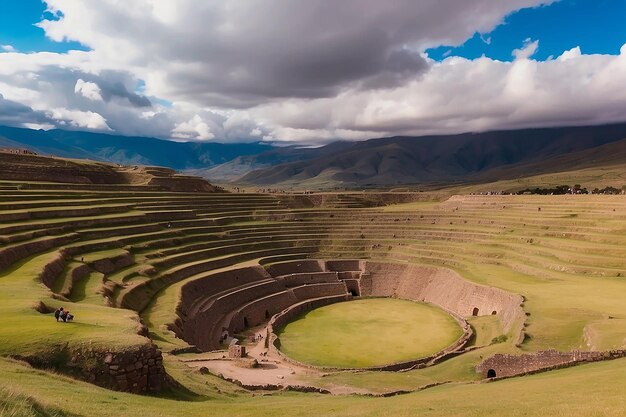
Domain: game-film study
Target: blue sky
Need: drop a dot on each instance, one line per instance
(311, 71)
(597, 26)
(17, 27)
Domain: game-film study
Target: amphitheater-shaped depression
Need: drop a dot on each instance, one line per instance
(273, 297)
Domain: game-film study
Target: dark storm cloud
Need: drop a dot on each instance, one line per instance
(241, 53)
(17, 114)
(114, 85)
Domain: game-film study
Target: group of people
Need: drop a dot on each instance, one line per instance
(63, 315)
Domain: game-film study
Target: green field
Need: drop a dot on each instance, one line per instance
(595, 390)
(368, 332)
(566, 255)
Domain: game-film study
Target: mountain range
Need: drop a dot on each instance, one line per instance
(126, 150)
(442, 159)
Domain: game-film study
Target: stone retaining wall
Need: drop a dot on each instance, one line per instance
(260, 310)
(442, 287)
(343, 265)
(293, 280)
(306, 292)
(292, 267)
(138, 372)
(503, 365)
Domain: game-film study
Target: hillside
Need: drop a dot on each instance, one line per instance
(275, 156)
(17, 166)
(426, 161)
(126, 150)
(448, 159)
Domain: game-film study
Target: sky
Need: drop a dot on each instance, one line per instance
(310, 72)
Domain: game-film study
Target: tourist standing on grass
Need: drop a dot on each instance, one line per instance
(57, 313)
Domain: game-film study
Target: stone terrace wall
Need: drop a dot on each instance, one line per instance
(343, 265)
(503, 365)
(260, 310)
(384, 278)
(293, 280)
(319, 290)
(292, 267)
(196, 291)
(205, 325)
(140, 371)
(444, 288)
(214, 283)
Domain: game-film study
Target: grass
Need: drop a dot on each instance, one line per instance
(18, 405)
(31, 333)
(578, 392)
(368, 332)
(567, 260)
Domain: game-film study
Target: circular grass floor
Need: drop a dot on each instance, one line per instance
(368, 332)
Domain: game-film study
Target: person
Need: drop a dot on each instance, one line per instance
(62, 315)
(68, 316)
(57, 313)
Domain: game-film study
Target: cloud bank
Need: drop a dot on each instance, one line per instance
(310, 72)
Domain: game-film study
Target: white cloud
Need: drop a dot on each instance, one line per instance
(8, 48)
(459, 95)
(79, 119)
(528, 50)
(195, 128)
(312, 71)
(39, 126)
(88, 90)
(571, 54)
(242, 53)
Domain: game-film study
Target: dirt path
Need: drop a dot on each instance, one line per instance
(272, 370)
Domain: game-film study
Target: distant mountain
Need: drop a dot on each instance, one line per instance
(442, 159)
(126, 150)
(241, 165)
(445, 159)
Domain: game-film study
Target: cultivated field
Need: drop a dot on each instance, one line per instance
(124, 262)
